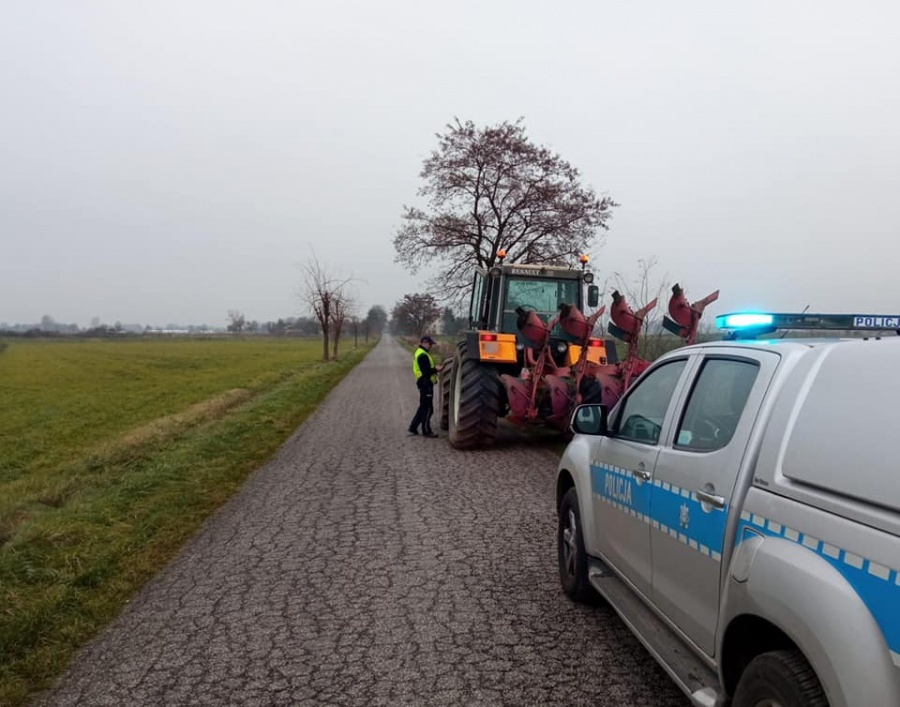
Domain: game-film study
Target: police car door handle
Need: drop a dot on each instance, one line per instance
(641, 474)
(711, 499)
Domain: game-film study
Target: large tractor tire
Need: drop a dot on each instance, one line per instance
(474, 402)
(445, 380)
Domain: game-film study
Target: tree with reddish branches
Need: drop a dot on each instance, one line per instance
(491, 189)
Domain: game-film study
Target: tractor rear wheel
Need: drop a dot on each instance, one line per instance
(445, 381)
(475, 401)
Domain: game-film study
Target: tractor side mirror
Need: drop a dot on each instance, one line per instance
(593, 296)
(591, 420)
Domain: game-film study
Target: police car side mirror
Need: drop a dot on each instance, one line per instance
(590, 420)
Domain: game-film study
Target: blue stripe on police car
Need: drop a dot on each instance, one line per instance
(667, 508)
(876, 585)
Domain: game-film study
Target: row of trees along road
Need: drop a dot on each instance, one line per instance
(332, 302)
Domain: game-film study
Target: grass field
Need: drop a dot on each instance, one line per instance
(111, 455)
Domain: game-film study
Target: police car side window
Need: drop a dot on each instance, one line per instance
(641, 416)
(716, 403)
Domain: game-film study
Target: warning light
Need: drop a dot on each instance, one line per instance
(583, 259)
(744, 320)
(743, 324)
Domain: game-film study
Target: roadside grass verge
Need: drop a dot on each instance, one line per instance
(78, 538)
(60, 397)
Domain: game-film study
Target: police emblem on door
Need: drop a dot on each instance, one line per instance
(684, 517)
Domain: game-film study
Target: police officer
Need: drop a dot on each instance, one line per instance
(426, 376)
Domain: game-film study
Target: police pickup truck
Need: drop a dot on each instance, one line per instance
(739, 508)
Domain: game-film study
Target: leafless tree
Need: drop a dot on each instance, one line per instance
(236, 321)
(342, 308)
(375, 321)
(641, 289)
(491, 189)
(324, 294)
(414, 314)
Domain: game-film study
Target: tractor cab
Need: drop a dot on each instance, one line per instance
(500, 293)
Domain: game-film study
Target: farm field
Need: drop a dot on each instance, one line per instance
(111, 455)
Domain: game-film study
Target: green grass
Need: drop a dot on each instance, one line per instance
(113, 453)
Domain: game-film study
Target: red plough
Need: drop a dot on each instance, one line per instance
(547, 391)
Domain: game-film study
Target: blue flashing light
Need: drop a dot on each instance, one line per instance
(744, 320)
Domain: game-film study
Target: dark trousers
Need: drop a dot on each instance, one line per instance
(426, 406)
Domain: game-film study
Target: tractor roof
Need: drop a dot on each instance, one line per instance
(532, 270)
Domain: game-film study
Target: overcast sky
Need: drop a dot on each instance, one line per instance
(168, 161)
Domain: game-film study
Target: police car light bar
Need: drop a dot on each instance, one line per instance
(743, 320)
(754, 323)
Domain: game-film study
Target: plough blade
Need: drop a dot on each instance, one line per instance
(685, 318)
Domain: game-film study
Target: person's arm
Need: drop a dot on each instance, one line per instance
(425, 366)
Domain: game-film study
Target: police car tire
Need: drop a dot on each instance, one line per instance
(575, 584)
(783, 676)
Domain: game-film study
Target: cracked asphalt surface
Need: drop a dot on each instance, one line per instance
(363, 566)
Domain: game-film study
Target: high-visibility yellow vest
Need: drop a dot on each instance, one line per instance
(417, 372)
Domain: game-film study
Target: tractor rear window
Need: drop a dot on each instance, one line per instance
(543, 296)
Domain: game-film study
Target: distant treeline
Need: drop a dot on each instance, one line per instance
(109, 332)
(48, 328)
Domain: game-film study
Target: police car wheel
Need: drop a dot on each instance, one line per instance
(572, 557)
(779, 679)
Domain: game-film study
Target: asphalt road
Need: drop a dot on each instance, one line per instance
(363, 566)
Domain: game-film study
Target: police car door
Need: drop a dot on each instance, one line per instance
(622, 471)
(694, 482)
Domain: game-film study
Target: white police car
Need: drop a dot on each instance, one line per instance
(740, 509)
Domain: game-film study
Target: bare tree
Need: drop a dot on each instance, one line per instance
(323, 292)
(644, 287)
(415, 313)
(492, 189)
(236, 321)
(375, 321)
(342, 308)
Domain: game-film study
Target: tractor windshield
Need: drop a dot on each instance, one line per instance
(542, 295)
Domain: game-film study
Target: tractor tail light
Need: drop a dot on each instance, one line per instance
(497, 347)
(595, 342)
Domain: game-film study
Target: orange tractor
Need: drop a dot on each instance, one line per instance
(530, 354)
